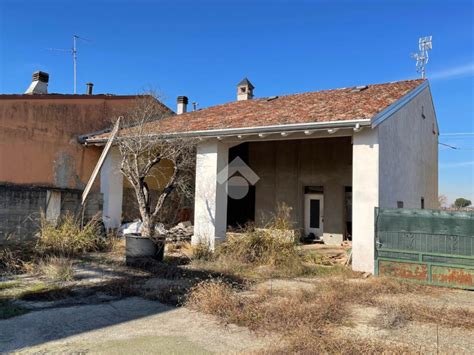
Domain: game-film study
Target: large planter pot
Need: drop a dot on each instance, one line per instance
(138, 248)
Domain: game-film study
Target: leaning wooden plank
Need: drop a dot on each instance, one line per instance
(101, 160)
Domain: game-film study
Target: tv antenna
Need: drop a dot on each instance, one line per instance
(424, 45)
(73, 51)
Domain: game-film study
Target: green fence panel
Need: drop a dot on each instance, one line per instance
(429, 246)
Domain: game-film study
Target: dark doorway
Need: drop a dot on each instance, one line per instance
(241, 211)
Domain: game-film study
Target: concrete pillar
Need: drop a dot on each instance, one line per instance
(111, 186)
(210, 201)
(53, 205)
(365, 196)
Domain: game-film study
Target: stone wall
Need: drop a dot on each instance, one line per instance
(21, 206)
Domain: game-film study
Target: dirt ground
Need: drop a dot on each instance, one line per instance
(111, 308)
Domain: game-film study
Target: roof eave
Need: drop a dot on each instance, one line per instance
(226, 132)
(397, 105)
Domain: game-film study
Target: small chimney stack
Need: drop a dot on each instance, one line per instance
(245, 90)
(39, 83)
(182, 104)
(90, 86)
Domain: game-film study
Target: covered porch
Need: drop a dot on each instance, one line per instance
(329, 178)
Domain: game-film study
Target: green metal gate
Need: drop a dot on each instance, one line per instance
(427, 246)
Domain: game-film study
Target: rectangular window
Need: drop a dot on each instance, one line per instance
(399, 204)
(422, 203)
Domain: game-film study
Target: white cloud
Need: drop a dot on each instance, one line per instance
(458, 134)
(459, 71)
(461, 164)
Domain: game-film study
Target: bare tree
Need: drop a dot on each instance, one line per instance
(149, 157)
(442, 201)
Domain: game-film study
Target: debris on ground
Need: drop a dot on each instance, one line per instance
(182, 232)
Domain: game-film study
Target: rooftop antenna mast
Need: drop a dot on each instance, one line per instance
(73, 51)
(424, 45)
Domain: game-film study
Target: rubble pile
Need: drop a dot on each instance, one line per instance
(182, 232)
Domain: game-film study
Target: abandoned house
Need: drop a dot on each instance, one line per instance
(42, 164)
(332, 156)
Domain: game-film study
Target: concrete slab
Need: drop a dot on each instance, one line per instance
(131, 325)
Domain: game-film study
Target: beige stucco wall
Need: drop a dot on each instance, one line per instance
(408, 154)
(286, 167)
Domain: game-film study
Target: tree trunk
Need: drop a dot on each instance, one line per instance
(148, 227)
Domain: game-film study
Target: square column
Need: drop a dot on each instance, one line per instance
(53, 205)
(365, 197)
(111, 186)
(210, 201)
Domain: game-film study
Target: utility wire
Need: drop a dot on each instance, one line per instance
(449, 146)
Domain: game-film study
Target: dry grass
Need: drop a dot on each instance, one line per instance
(16, 258)
(265, 252)
(391, 317)
(306, 320)
(200, 252)
(309, 340)
(57, 268)
(397, 314)
(267, 311)
(5, 285)
(44, 292)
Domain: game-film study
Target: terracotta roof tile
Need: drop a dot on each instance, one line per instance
(319, 106)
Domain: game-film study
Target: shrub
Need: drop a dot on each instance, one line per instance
(68, 238)
(260, 247)
(281, 219)
(269, 248)
(201, 251)
(214, 297)
(16, 258)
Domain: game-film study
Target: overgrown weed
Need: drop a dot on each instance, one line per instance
(396, 314)
(59, 269)
(68, 238)
(305, 320)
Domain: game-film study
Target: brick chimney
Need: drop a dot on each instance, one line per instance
(89, 89)
(39, 84)
(182, 104)
(245, 90)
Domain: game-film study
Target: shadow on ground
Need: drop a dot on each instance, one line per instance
(148, 288)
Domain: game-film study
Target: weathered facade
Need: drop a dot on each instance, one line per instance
(42, 164)
(332, 156)
(290, 169)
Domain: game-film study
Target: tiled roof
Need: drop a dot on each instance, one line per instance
(320, 106)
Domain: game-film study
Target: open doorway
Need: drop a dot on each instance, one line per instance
(241, 211)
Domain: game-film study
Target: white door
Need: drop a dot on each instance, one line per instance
(313, 214)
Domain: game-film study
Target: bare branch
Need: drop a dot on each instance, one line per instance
(152, 162)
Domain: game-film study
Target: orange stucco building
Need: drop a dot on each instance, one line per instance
(38, 137)
(43, 166)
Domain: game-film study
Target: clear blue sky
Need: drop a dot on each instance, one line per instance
(203, 48)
